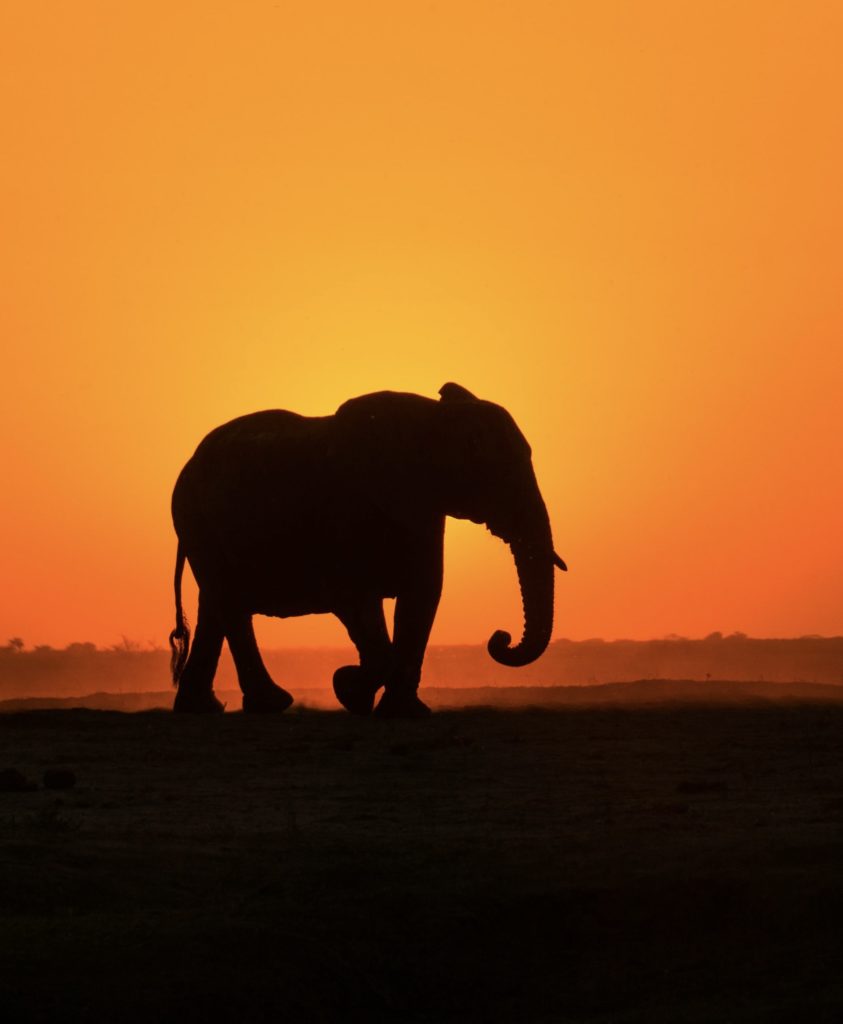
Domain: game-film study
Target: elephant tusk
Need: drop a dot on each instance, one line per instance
(559, 563)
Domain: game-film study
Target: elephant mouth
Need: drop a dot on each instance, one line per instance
(516, 540)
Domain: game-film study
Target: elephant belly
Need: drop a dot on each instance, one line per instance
(283, 587)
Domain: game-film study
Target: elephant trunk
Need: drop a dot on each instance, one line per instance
(533, 552)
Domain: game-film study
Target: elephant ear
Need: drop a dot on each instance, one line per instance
(456, 393)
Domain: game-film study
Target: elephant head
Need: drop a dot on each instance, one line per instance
(488, 478)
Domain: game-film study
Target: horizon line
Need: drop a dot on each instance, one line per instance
(129, 646)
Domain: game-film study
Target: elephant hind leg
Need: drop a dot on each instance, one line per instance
(195, 693)
(355, 686)
(260, 693)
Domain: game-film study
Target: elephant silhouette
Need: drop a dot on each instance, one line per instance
(284, 515)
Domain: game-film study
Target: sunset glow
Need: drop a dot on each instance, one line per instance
(622, 222)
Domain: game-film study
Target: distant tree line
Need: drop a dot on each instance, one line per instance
(130, 667)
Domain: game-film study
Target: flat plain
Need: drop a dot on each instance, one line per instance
(588, 864)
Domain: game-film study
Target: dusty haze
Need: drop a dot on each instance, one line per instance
(717, 663)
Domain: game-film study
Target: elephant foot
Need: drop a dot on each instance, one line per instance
(267, 701)
(202, 703)
(354, 690)
(398, 704)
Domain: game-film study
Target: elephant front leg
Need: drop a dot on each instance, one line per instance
(415, 610)
(355, 686)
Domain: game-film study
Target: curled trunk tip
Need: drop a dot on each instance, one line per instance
(534, 561)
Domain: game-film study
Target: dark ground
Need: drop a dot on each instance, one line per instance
(658, 864)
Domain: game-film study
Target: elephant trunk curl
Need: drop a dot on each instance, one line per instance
(534, 560)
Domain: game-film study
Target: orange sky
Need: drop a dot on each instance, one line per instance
(622, 221)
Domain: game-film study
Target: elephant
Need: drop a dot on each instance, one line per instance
(284, 515)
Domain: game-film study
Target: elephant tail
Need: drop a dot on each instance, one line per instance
(180, 636)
